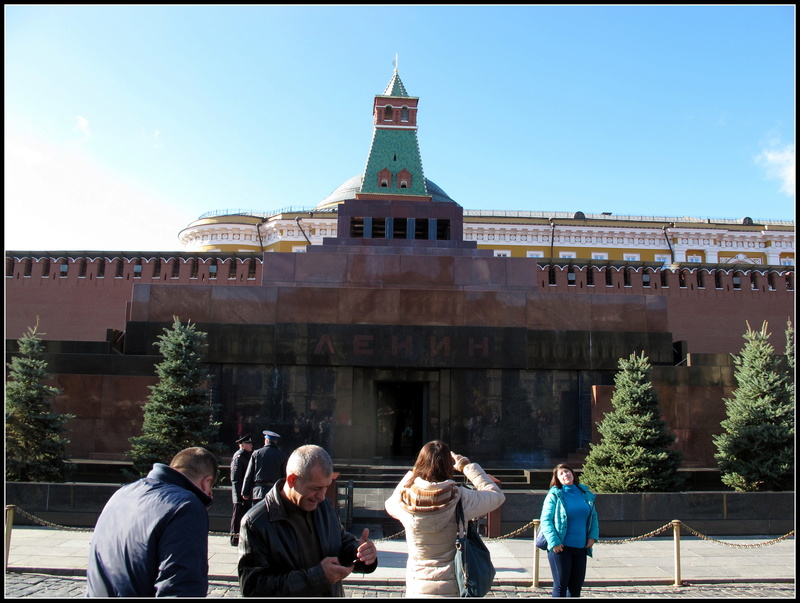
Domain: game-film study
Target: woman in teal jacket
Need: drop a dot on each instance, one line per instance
(569, 523)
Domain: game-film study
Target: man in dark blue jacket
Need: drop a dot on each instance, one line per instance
(151, 540)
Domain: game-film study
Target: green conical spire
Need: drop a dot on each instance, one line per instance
(395, 87)
(394, 144)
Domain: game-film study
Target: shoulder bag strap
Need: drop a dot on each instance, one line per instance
(461, 525)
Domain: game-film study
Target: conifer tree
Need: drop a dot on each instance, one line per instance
(634, 453)
(756, 450)
(35, 446)
(179, 413)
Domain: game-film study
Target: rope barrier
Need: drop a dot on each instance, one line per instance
(524, 528)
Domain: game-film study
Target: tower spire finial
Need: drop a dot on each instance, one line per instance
(395, 62)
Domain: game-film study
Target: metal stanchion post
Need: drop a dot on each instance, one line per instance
(535, 554)
(676, 531)
(9, 526)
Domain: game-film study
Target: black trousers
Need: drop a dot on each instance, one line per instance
(569, 570)
(239, 509)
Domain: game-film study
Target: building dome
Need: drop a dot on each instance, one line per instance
(349, 188)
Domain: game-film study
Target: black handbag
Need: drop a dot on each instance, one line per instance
(541, 541)
(473, 563)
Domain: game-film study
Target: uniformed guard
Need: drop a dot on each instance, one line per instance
(239, 462)
(267, 466)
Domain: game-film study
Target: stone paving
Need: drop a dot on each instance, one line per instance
(44, 562)
(42, 586)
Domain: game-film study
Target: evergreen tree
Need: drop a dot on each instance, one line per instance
(790, 346)
(634, 454)
(179, 413)
(756, 450)
(35, 446)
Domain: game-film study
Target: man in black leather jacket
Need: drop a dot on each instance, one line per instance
(292, 543)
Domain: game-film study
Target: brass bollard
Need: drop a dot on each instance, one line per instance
(535, 555)
(676, 531)
(9, 526)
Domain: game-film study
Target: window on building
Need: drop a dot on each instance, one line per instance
(232, 270)
(387, 113)
(120, 268)
(626, 277)
(789, 283)
(664, 279)
(631, 257)
(571, 276)
(357, 228)
(137, 270)
(176, 268)
(63, 270)
(682, 279)
(737, 281)
(443, 230)
(421, 228)
(609, 277)
(567, 255)
(502, 253)
(212, 269)
(26, 267)
(695, 259)
(399, 228)
(646, 278)
(700, 279)
(101, 268)
(404, 114)
(378, 228)
(590, 276)
(535, 254)
(46, 268)
(599, 256)
(82, 268)
(251, 270)
(193, 265)
(787, 261)
(157, 268)
(718, 279)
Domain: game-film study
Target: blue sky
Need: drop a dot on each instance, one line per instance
(125, 123)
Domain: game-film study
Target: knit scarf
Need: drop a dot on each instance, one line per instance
(416, 499)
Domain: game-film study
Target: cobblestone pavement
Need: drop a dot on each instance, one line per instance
(18, 585)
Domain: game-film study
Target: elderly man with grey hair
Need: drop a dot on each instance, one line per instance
(293, 544)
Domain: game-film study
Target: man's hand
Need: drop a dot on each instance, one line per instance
(366, 553)
(334, 571)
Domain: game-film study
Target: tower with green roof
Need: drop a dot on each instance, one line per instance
(392, 203)
(394, 165)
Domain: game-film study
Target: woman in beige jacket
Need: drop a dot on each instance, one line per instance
(425, 503)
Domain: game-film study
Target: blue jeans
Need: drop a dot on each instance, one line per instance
(569, 570)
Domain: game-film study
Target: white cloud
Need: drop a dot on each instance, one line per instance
(780, 165)
(57, 198)
(82, 125)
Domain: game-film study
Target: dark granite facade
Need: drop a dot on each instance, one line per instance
(372, 351)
